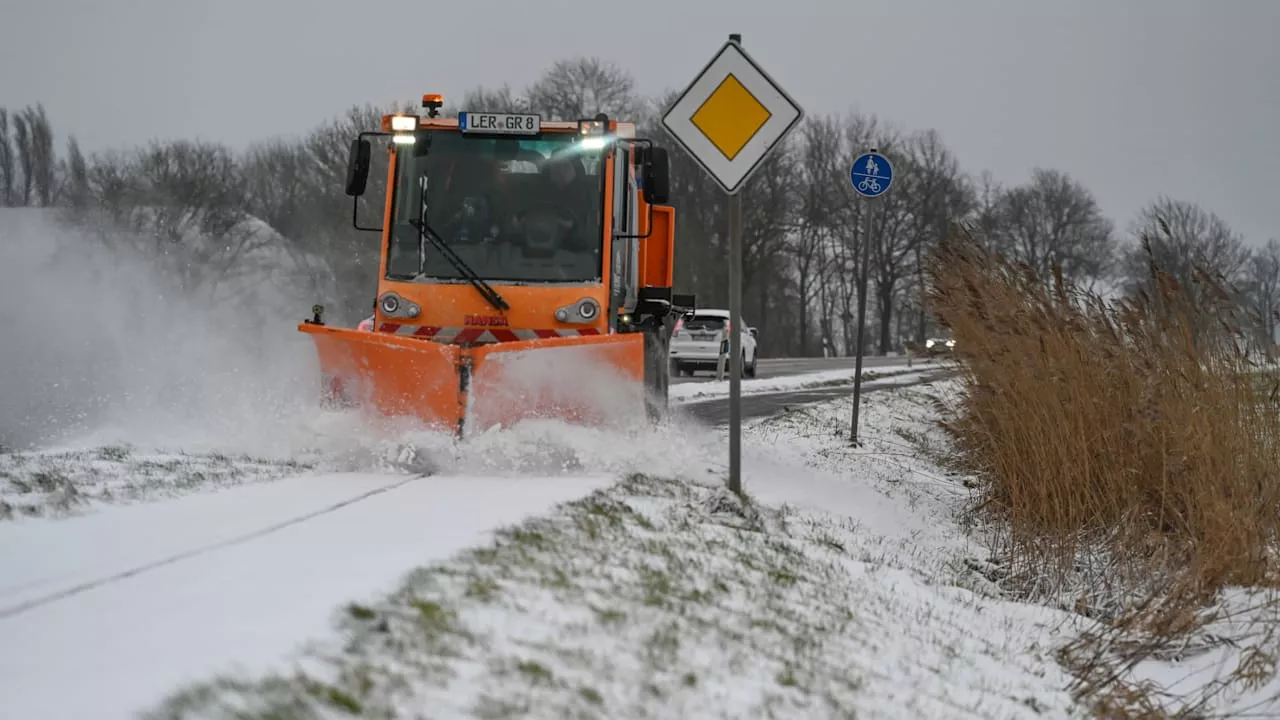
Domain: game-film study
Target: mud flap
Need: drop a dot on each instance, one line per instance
(657, 372)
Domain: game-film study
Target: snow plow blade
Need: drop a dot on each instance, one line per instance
(588, 379)
(585, 379)
(391, 375)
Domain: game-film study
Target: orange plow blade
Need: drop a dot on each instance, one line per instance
(393, 375)
(589, 379)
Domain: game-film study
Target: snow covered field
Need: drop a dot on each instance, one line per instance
(543, 571)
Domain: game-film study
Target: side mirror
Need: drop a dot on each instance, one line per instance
(358, 167)
(753, 331)
(657, 176)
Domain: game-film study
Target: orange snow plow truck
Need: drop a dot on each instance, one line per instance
(525, 270)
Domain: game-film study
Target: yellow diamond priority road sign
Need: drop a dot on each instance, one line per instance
(731, 116)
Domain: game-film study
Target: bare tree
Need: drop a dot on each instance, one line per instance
(769, 202)
(26, 156)
(1054, 220)
(8, 170)
(939, 194)
(502, 99)
(582, 87)
(857, 132)
(1185, 238)
(1203, 257)
(984, 216)
(43, 158)
(1263, 281)
(77, 175)
(181, 204)
(933, 192)
(820, 141)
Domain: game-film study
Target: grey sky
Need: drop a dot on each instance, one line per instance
(1132, 97)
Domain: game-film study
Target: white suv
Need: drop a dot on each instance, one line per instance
(693, 344)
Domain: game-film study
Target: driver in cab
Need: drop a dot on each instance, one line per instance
(570, 193)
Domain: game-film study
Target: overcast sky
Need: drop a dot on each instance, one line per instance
(1132, 97)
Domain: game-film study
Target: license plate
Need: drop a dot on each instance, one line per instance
(703, 336)
(499, 123)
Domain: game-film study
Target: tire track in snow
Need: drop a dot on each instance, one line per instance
(13, 610)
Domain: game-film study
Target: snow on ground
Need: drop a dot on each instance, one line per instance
(242, 577)
(714, 389)
(124, 572)
(842, 586)
(60, 483)
(621, 581)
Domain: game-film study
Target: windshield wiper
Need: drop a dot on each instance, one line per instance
(484, 288)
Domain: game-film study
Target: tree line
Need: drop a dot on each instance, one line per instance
(207, 214)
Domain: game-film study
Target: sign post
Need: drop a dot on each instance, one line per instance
(729, 119)
(871, 176)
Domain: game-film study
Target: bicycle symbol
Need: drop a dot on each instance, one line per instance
(869, 184)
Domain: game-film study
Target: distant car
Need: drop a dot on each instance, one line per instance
(693, 344)
(939, 346)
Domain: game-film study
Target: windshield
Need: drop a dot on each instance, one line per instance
(705, 323)
(528, 209)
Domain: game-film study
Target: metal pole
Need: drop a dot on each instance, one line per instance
(735, 344)
(735, 335)
(862, 316)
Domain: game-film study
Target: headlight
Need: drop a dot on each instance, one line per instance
(584, 310)
(390, 304)
(928, 343)
(951, 343)
(404, 123)
(593, 134)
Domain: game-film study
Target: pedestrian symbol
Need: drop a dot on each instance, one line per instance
(871, 174)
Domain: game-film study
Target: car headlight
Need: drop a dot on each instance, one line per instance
(928, 343)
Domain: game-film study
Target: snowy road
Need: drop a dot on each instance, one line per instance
(784, 367)
(715, 411)
(288, 554)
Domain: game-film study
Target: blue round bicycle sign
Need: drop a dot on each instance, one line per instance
(871, 174)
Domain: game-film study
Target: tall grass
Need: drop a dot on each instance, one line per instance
(1135, 430)
(1131, 451)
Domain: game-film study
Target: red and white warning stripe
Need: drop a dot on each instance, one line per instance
(470, 335)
